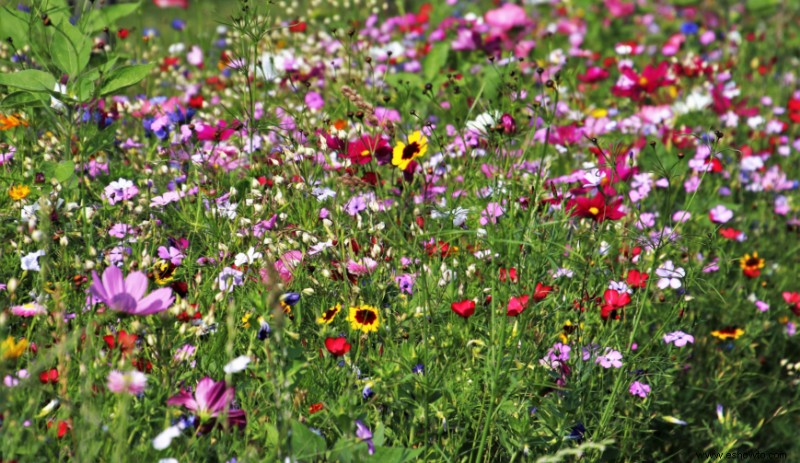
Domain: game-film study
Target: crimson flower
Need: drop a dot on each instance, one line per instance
(510, 274)
(595, 208)
(362, 150)
(636, 279)
(125, 341)
(634, 85)
(49, 377)
(541, 292)
(613, 300)
(337, 346)
(465, 308)
(517, 304)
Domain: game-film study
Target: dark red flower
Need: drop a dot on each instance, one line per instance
(465, 308)
(337, 346)
(123, 34)
(125, 341)
(315, 408)
(510, 274)
(362, 150)
(49, 377)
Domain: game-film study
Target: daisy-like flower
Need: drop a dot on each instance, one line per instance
(720, 214)
(678, 338)
(19, 192)
(751, 265)
(364, 318)
(403, 154)
(611, 358)
(670, 276)
(31, 309)
(11, 349)
(728, 332)
(327, 317)
(131, 382)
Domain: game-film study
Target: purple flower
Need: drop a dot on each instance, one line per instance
(589, 351)
(173, 254)
(355, 205)
(640, 389)
(419, 369)
(406, 282)
(128, 294)
(678, 338)
(120, 190)
(210, 400)
(611, 358)
(230, 277)
(363, 433)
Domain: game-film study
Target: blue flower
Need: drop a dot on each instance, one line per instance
(178, 24)
(419, 369)
(689, 28)
(577, 432)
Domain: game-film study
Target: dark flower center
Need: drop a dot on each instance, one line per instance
(366, 317)
(410, 150)
(329, 314)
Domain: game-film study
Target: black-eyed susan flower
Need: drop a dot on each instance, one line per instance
(19, 192)
(403, 154)
(163, 272)
(751, 265)
(728, 333)
(327, 317)
(364, 318)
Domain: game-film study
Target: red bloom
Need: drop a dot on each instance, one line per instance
(196, 102)
(637, 279)
(541, 292)
(635, 85)
(793, 299)
(315, 408)
(730, 233)
(465, 308)
(298, 27)
(593, 75)
(123, 34)
(442, 248)
(125, 341)
(50, 376)
(361, 150)
(337, 346)
(508, 274)
(516, 305)
(614, 300)
(595, 208)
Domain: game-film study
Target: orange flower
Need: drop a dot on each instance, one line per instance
(19, 192)
(751, 266)
(11, 121)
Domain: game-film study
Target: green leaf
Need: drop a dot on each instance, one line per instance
(125, 77)
(71, 48)
(23, 98)
(109, 15)
(394, 454)
(64, 171)
(436, 60)
(306, 446)
(14, 24)
(29, 79)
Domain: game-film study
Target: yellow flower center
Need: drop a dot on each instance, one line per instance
(594, 210)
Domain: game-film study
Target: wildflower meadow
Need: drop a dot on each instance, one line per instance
(362, 230)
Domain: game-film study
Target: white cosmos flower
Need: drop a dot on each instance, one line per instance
(249, 258)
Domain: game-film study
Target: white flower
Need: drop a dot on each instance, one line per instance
(319, 247)
(670, 275)
(248, 258)
(56, 103)
(227, 209)
(620, 287)
(483, 122)
(31, 261)
(236, 365)
(593, 178)
(163, 440)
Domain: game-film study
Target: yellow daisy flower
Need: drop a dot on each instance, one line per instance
(403, 154)
(327, 317)
(364, 318)
(19, 192)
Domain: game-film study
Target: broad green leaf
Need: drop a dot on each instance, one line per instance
(14, 24)
(64, 171)
(109, 15)
(29, 79)
(125, 77)
(23, 98)
(436, 60)
(71, 48)
(306, 446)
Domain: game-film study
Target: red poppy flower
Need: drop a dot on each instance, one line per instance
(595, 208)
(297, 27)
(510, 274)
(465, 308)
(123, 34)
(337, 346)
(730, 233)
(793, 299)
(442, 248)
(541, 292)
(614, 300)
(49, 377)
(637, 279)
(196, 102)
(63, 427)
(516, 305)
(125, 341)
(315, 408)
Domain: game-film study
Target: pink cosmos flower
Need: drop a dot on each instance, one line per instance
(639, 389)
(132, 382)
(720, 214)
(128, 294)
(507, 17)
(362, 266)
(211, 399)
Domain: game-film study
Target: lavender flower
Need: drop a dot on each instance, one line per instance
(678, 338)
(127, 294)
(611, 358)
(363, 433)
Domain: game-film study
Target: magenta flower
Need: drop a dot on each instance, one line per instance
(128, 294)
(211, 399)
(639, 389)
(132, 382)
